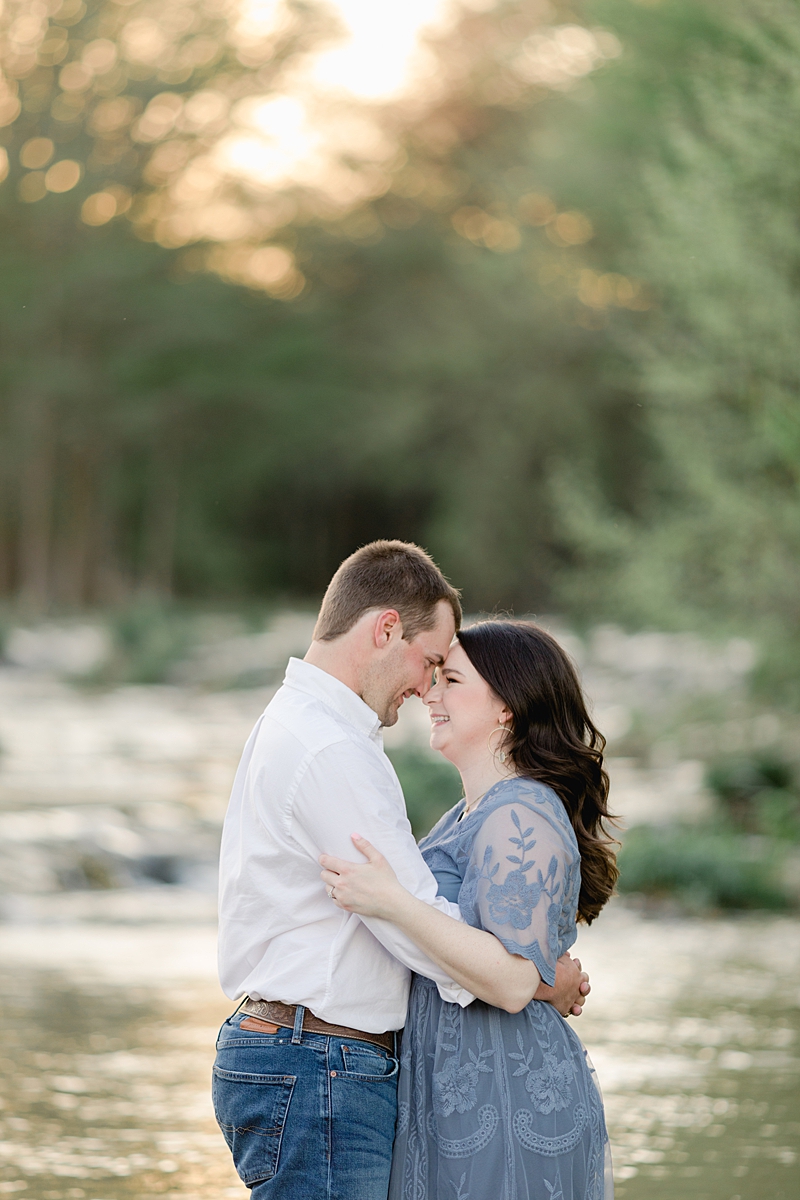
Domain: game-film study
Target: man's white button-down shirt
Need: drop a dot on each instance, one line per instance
(313, 772)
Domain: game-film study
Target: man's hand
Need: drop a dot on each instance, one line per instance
(572, 987)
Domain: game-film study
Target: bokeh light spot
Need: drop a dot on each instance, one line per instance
(99, 56)
(10, 108)
(496, 233)
(32, 187)
(111, 115)
(36, 153)
(536, 209)
(158, 118)
(570, 229)
(558, 56)
(26, 28)
(3, 163)
(142, 40)
(67, 106)
(74, 78)
(99, 208)
(69, 12)
(62, 176)
(204, 108)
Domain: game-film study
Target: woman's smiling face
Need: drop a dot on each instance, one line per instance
(463, 710)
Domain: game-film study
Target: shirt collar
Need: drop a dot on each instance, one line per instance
(305, 677)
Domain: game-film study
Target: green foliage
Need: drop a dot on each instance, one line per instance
(149, 637)
(702, 867)
(559, 350)
(430, 785)
(757, 795)
(711, 224)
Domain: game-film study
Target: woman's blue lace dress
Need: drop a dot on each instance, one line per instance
(494, 1105)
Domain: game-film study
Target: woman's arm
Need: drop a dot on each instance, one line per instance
(474, 958)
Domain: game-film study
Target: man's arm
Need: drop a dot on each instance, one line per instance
(343, 791)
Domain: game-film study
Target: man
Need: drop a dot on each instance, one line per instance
(305, 1077)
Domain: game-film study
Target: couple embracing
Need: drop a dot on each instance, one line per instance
(403, 1026)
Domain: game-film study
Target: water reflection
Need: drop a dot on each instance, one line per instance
(105, 1092)
(693, 1027)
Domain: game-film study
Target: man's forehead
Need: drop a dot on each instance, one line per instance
(436, 641)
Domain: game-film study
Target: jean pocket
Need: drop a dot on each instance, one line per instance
(251, 1112)
(364, 1062)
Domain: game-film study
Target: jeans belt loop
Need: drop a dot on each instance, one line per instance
(297, 1032)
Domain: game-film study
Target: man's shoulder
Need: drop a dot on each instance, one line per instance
(295, 715)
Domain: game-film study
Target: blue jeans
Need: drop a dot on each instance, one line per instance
(306, 1116)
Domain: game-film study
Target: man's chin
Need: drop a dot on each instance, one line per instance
(391, 717)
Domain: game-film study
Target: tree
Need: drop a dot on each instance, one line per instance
(102, 106)
(712, 214)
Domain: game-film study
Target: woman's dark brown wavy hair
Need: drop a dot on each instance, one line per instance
(552, 738)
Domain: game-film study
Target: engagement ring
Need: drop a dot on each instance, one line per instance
(330, 893)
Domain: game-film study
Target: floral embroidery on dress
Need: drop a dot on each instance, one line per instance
(455, 1087)
(460, 1193)
(554, 1189)
(513, 901)
(549, 1087)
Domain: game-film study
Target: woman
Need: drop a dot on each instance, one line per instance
(497, 1101)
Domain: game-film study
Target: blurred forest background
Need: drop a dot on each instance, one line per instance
(540, 316)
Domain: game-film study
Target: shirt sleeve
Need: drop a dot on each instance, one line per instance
(515, 883)
(344, 792)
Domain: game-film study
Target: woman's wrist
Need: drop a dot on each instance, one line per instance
(400, 907)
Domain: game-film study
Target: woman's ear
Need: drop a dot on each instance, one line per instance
(506, 717)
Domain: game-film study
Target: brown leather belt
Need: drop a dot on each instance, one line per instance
(277, 1013)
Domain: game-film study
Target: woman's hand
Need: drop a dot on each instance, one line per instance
(370, 889)
(571, 989)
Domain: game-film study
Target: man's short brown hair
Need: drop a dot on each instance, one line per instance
(383, 574)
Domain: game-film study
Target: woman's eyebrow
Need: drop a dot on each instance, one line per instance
(453, 671)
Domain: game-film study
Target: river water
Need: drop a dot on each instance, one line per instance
(108, 1038)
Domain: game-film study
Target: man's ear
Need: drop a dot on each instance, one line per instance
(387, 624)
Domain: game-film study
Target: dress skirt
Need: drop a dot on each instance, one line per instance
(496, 1106)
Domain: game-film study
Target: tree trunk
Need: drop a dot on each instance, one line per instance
(71, 583)
(161, 520)
(36, 513)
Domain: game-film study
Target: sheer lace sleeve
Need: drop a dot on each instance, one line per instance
(519, 871)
